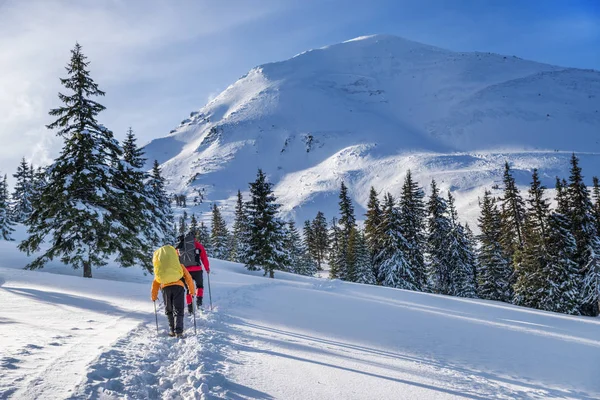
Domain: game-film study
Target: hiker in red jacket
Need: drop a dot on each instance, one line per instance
(193, 256)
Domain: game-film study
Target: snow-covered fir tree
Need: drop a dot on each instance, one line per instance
(194, 225)
(297, 254)
(240, 233)
(6, 220)
(596, 202)
(310, 259)
(588, 244)
(373, 232)
(79, 209)
(494, 273)
(363, 266)
(22, 196)
(219, 235)
(347, 223)
(460, 257)
(203, 237)
(39, 182)
(321, 239)
(307, 265)
(183, 224)
(412, 217)
(138, 205)
(265, 228)
(472, 246)
(561, 278)
(512, 217)
(529, 285)
(437, 244)
(394, 270)
(337, 257)
(308, 240)
(163, 214)
(351, 256)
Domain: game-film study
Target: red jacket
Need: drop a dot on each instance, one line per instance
(203, 259)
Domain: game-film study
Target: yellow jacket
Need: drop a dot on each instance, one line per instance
(188, 281)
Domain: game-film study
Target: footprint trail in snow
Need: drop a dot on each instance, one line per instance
(144, 365)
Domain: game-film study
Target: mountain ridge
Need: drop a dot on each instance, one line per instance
(381, 97)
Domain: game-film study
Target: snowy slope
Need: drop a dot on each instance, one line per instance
(286, 338)
(365, 110)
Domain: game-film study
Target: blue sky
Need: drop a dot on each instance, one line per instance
(158, 59)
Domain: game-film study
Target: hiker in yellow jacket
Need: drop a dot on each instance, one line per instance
(167, 276)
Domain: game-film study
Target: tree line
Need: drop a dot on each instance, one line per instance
(526, 253)
(95, 201)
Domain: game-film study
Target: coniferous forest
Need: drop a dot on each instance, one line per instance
(97, 202)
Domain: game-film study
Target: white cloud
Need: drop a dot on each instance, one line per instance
(129, 45)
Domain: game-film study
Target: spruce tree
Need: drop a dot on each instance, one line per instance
(438, 230)
(373, 236)
(561, 278)
(265, 228)
(39, 182)
(295, 250)
(203, 237)
(297, 254)
(136, 206)
(80, 207)
(347, 222)
(494, 273)
(363, 264)
(472, 253)
(133, 154)
(321, 239)
(347, 218)
(194, 225)
(394, 270)
(351, 256)
(596, 202)
(460, 257)
(412, 217)
(308, 240)
(183, 224)
(337, 257)
(22, 196)
(512, 217)
(163, 214)
(219, 235)
(240, 234)
(6, 221)
(307, 265)
(529, 285)
(588, 244)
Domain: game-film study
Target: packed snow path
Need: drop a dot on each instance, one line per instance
(287, 338)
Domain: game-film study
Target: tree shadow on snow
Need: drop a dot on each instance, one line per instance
(84, 303)
(314, 343)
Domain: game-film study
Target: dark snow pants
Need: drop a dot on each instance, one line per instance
(198, 279)
(174, 304)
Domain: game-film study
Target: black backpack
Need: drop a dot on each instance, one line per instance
(188, 255)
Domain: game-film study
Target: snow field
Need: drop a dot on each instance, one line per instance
(289, 338)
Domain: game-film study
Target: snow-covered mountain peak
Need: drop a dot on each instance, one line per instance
(389, 97)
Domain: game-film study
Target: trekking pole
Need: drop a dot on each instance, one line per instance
(209, 294)
(156, 316)
(194, 309)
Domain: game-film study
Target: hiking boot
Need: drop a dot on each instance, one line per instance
(191, 308)
(199, 301)
(172, 334)
(179, 335)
